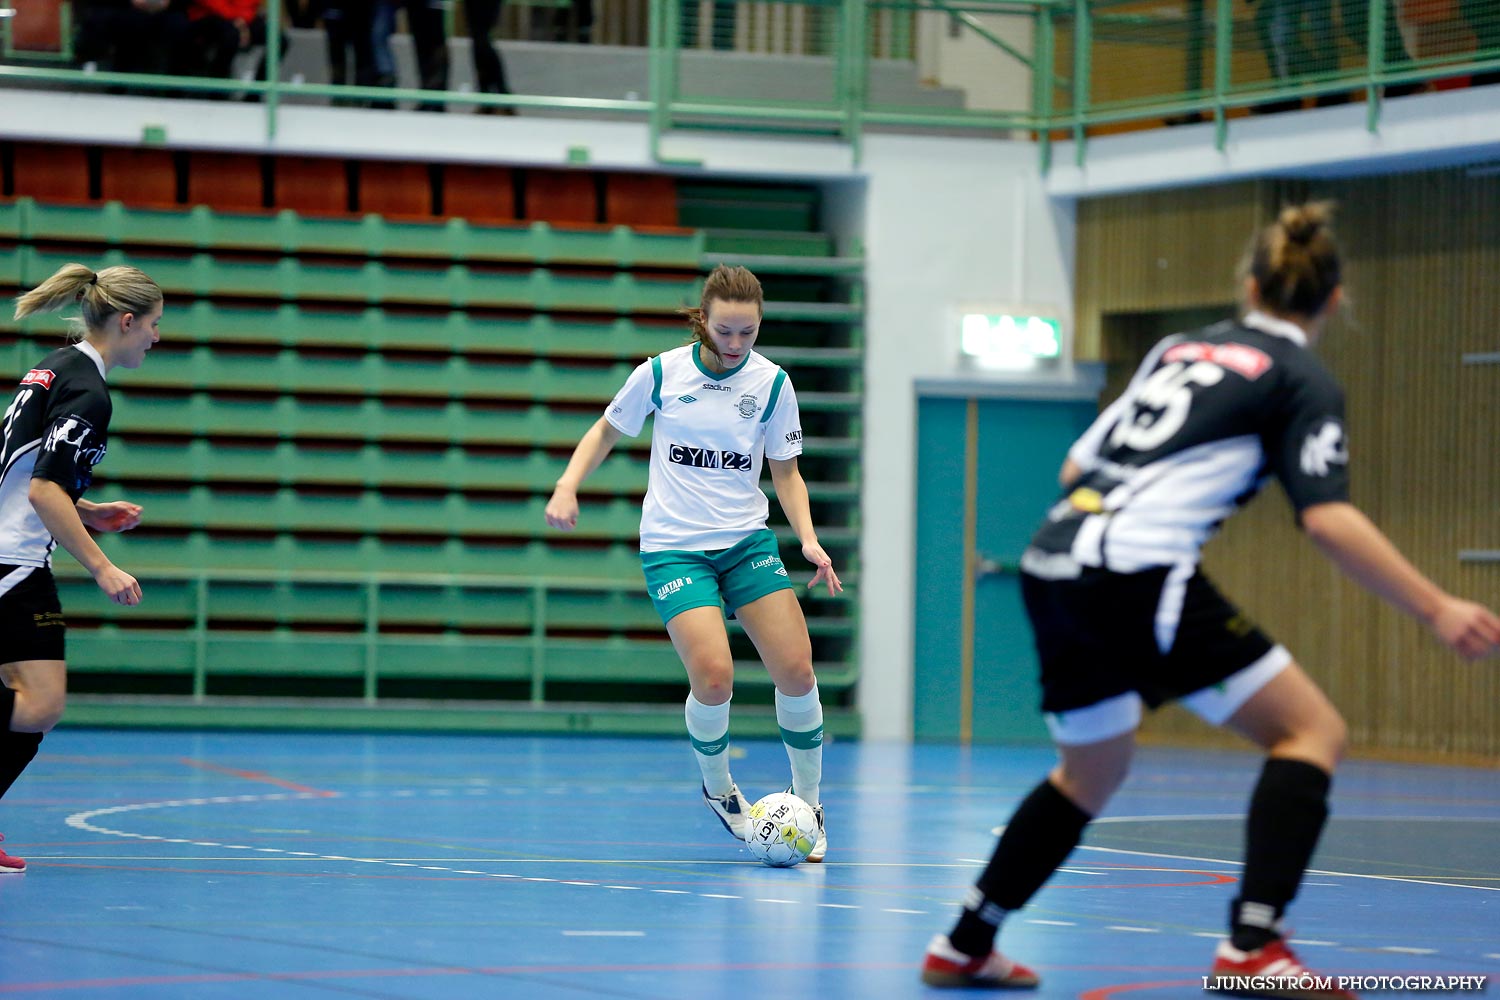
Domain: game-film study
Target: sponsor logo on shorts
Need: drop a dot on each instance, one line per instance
(687, 399)
(767, 563)
(668, 589)
(40, 376)
(47, 618)
(748, 406)
(708, 458)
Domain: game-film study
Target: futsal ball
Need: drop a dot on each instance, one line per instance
(783, 830)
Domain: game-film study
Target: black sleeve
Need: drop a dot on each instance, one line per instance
(74, 439)
(1307, 447)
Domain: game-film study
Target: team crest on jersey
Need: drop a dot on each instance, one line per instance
(748, 406)
(40, 376)
(1324, 448)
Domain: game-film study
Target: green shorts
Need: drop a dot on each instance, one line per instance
(679, 579)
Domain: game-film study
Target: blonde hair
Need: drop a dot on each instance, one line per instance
(1295, 260)
(727, 284)
(99, 295)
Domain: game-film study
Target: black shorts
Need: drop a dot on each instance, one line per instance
(1161, 633)
(31, 621)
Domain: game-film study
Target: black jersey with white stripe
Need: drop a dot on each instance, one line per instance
(1207, 419)
(55, 428)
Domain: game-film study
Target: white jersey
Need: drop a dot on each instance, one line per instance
(712, 431)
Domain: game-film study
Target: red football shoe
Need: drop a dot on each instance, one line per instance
(1272, 971)
(947, 966)
(9, 863)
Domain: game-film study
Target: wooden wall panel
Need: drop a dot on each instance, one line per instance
(1422, 252)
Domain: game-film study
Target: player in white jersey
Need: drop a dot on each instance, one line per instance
(55, 432)
(720, 409)
(1124, 618)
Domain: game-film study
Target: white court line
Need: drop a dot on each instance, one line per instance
(718, 895)
(1408, 951)
(1309, 943)
(894, 910)
(1311, 871)
(604, 933)
(1134, 930)
(1054, 923)
(792, 902)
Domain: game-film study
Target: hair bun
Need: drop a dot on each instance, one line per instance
(1302, 222)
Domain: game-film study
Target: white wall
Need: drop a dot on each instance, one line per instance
(947, 221)
(991, 79)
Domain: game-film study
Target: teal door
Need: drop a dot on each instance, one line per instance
(986, 473)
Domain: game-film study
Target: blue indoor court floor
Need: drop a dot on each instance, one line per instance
(214, 865)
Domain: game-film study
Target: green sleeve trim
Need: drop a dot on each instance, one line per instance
(810, 740)
(656, 381)
(775, 395)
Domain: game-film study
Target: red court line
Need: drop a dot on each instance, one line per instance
(260, 776)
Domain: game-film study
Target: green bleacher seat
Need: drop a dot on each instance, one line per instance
(346, 439)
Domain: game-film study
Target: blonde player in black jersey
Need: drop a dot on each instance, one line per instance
(1124, 618)
(54, 433)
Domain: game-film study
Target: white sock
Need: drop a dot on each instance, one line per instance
(801, 722)
(708, 728)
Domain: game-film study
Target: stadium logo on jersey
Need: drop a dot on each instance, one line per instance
(40, 376)
(687, 399)
(1247, 361)
(748, 406)
(708, 458)
(1324, 448)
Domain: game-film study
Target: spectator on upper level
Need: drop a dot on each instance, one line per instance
(219, 30)
(128, 36)
(424, 19)
(1297, 39)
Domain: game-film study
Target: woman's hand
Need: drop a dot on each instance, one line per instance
(1469, 629)
(562, 509)
(121, 587)
(117, 515)
(813, 553)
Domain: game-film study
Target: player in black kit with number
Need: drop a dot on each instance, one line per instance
(1123, 617)
(55, 432)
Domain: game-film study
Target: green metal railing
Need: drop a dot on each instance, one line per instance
(269, 624)
(1075, 66)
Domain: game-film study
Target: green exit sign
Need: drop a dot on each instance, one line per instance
(1010, 341)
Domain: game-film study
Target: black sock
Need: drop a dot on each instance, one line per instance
(1287, 813)
(1039, 837)
(16, 749)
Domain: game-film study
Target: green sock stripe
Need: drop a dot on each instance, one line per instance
(713, 749)
(809, 740)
